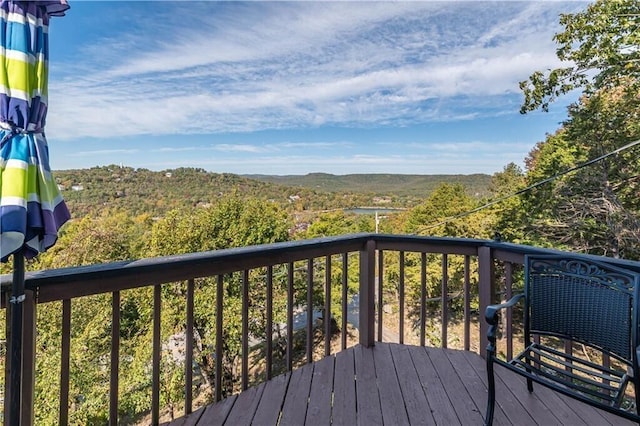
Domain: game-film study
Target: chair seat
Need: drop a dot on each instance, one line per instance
(562, 371)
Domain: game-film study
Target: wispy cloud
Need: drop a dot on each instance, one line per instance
(102, 152)
(401, 164)
(252, 66)
(225, 147)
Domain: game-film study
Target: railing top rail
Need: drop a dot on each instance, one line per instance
(633, 265)
(59, 284)
(72, 282)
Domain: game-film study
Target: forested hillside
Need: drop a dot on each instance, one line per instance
(402, 186)
(142, 191)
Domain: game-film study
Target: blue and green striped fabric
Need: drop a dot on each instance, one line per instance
(31, 207)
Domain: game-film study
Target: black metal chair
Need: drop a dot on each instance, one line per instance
(583, 301)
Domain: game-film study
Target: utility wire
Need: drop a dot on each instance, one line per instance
(530, 187)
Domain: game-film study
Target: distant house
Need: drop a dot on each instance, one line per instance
(168, 174)
(77, 187)
(293, 198)
(381, 200)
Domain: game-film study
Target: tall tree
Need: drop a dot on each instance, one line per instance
(601, 48)
(443, 214)
(231, 222)
(595, 208)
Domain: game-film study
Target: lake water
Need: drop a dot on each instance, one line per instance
(373, 210)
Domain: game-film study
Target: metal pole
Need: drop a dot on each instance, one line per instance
(16, 300)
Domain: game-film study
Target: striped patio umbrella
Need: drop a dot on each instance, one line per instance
(31, 208)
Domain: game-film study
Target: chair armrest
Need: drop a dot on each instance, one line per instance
(491, 314)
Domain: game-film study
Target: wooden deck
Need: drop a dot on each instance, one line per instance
(392, 384)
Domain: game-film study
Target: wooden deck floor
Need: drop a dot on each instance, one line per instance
(392, 384)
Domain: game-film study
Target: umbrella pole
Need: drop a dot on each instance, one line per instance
(16, 300)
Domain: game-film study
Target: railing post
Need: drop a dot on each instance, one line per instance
(15, 308)
(28, 357)
(486, 291)
(367, 294)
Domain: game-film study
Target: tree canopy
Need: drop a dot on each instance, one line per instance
(601, 46)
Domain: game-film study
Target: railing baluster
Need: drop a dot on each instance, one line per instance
(423, 297)
(63, 415)
(115, 358)
(345, 282)
(290, 316)
(188, 359)
(401, 301)
(155, 387)
(219, 319)
(327, 307)
(379, 290)
(445, 301)
(245, 329)
(269, 325)
(309, 310)
(467, 303)
(508, 272)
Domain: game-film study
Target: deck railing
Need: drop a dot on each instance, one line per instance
(417, 290)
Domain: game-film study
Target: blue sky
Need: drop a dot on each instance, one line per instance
(293, 88)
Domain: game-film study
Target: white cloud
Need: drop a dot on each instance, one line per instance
(239, 148)
(102, 152)
(256, 66)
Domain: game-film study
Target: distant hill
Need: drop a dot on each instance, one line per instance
(138, 191)
(401, 185)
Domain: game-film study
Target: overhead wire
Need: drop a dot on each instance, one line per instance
(530, 187)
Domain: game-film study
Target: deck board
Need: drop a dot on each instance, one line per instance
(511, 384)
(478, 392)
(441, 406)
(217, 414)
(273, 399)
(319, 407)
(369, 412)
(415, 400)
(392, 384)
(391, 401)
(294, 410)
(344, 390)
(466, 409)
(245, 406)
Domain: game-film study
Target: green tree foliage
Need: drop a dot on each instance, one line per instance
(229, 223)
(114, 235)
(141, 191)
(232, 222)
(601, 46)
(507, 217)
(339, 223)
(109, 237)
(437, 216)
(594, 209)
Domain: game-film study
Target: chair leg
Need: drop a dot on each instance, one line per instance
(491, 397)
(529, 381)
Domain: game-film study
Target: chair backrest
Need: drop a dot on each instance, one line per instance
(583, 300)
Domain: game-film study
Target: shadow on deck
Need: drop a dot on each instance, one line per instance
(392, 384)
